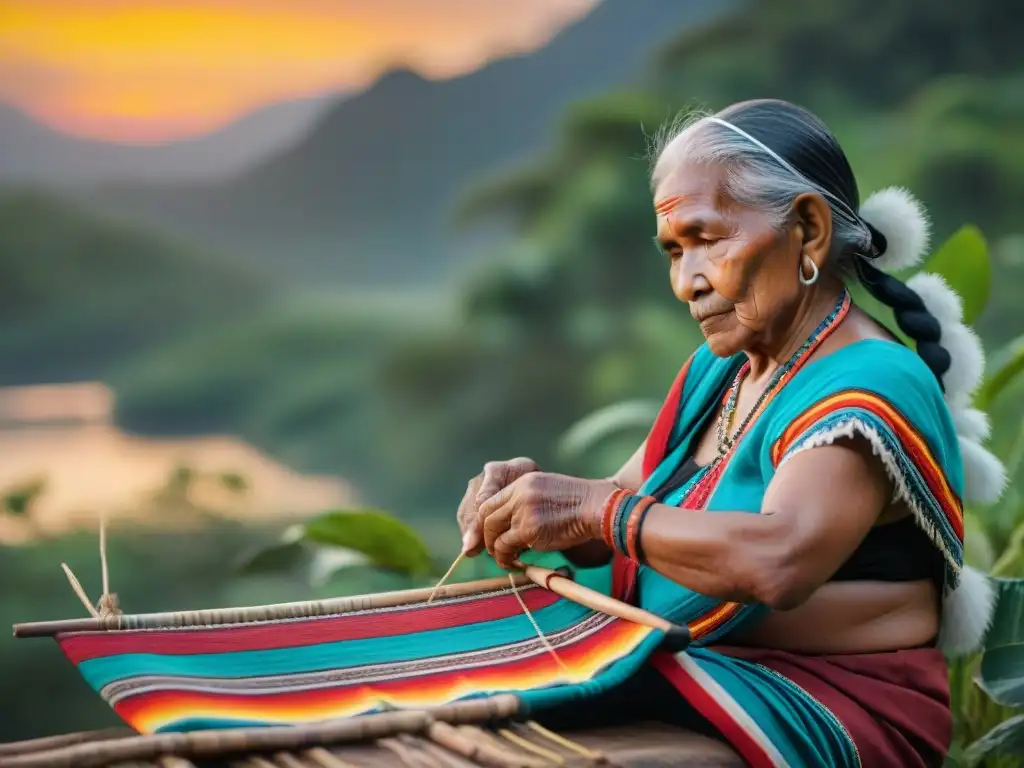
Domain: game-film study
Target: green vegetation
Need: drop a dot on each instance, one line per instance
(347, 538)
(79, 295)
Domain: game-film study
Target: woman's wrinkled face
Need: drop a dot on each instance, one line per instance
(731, 264)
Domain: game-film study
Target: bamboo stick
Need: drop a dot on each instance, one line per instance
(170, 761)
(409, 755)
(279, 611)
(204, 744)
(321, 758)
(480, 750)
(63, 740)
(445, 758)
(578, 593)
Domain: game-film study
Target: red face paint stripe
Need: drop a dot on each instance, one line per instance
(314, 631)
(665, 205)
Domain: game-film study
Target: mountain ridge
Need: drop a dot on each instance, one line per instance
(379, 171)
(32, 153)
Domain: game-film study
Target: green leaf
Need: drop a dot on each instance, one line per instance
(1011, 560)
(288, 557)
(964, 263)
(978, 550)
(1007, 738)
(1009, 365)
(1002, 666)
(582, 436)
(387, 541)
(328, 561)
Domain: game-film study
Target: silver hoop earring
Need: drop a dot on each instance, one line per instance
(814, 272)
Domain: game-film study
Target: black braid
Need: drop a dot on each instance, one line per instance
(807, 145)
(912, 316)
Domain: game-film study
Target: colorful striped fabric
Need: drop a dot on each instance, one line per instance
(874, 389)
(310, 669)
(919, 477)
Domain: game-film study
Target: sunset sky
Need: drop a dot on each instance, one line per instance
(151, 71)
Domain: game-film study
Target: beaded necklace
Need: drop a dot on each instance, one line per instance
(824, 329)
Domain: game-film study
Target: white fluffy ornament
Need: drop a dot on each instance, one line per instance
(967, 361)
(970, 423)
(967, 614)
(941, 300)
(898, 215)
(984, 474)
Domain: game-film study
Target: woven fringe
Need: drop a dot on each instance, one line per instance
(853, 427)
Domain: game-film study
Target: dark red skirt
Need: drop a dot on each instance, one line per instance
(895, 705)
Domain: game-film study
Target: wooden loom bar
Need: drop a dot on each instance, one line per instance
(279, 611)
(64, 740)
(578, 593)
(204, 744)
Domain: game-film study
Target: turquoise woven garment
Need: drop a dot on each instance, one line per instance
(875, 389)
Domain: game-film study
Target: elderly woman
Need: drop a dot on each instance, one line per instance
(797, 503)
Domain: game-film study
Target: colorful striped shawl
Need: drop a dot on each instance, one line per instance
(876, 389)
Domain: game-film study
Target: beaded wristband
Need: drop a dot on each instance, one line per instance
(611, 508)
(633, 525)
(623, 514)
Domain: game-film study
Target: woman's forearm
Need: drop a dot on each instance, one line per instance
(735, 556)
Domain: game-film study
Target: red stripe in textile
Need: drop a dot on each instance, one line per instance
(313, 631)
(657, 439)
(624, 573)
(709, 708)
(515, 674)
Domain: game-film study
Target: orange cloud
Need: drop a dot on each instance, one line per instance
(156, 70)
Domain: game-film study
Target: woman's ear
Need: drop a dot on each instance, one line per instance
(815, 221)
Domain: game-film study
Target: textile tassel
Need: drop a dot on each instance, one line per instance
(447, 575)
(522, 604)
(76, 585)
(544, 641)
(108, 605)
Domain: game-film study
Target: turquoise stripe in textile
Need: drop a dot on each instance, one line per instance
(798, 726)
(562, 615)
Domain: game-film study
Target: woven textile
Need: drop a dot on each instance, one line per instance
(310, 669)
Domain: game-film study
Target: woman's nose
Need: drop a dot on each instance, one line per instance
(688, 281)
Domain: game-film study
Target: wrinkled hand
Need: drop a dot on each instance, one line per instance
(544, 512)
(496, 476)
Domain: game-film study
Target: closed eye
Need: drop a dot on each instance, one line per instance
(672, 249)
(667, 248)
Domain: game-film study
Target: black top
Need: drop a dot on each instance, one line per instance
(898, 551)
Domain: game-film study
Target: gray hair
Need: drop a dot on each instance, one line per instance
(756, 176)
